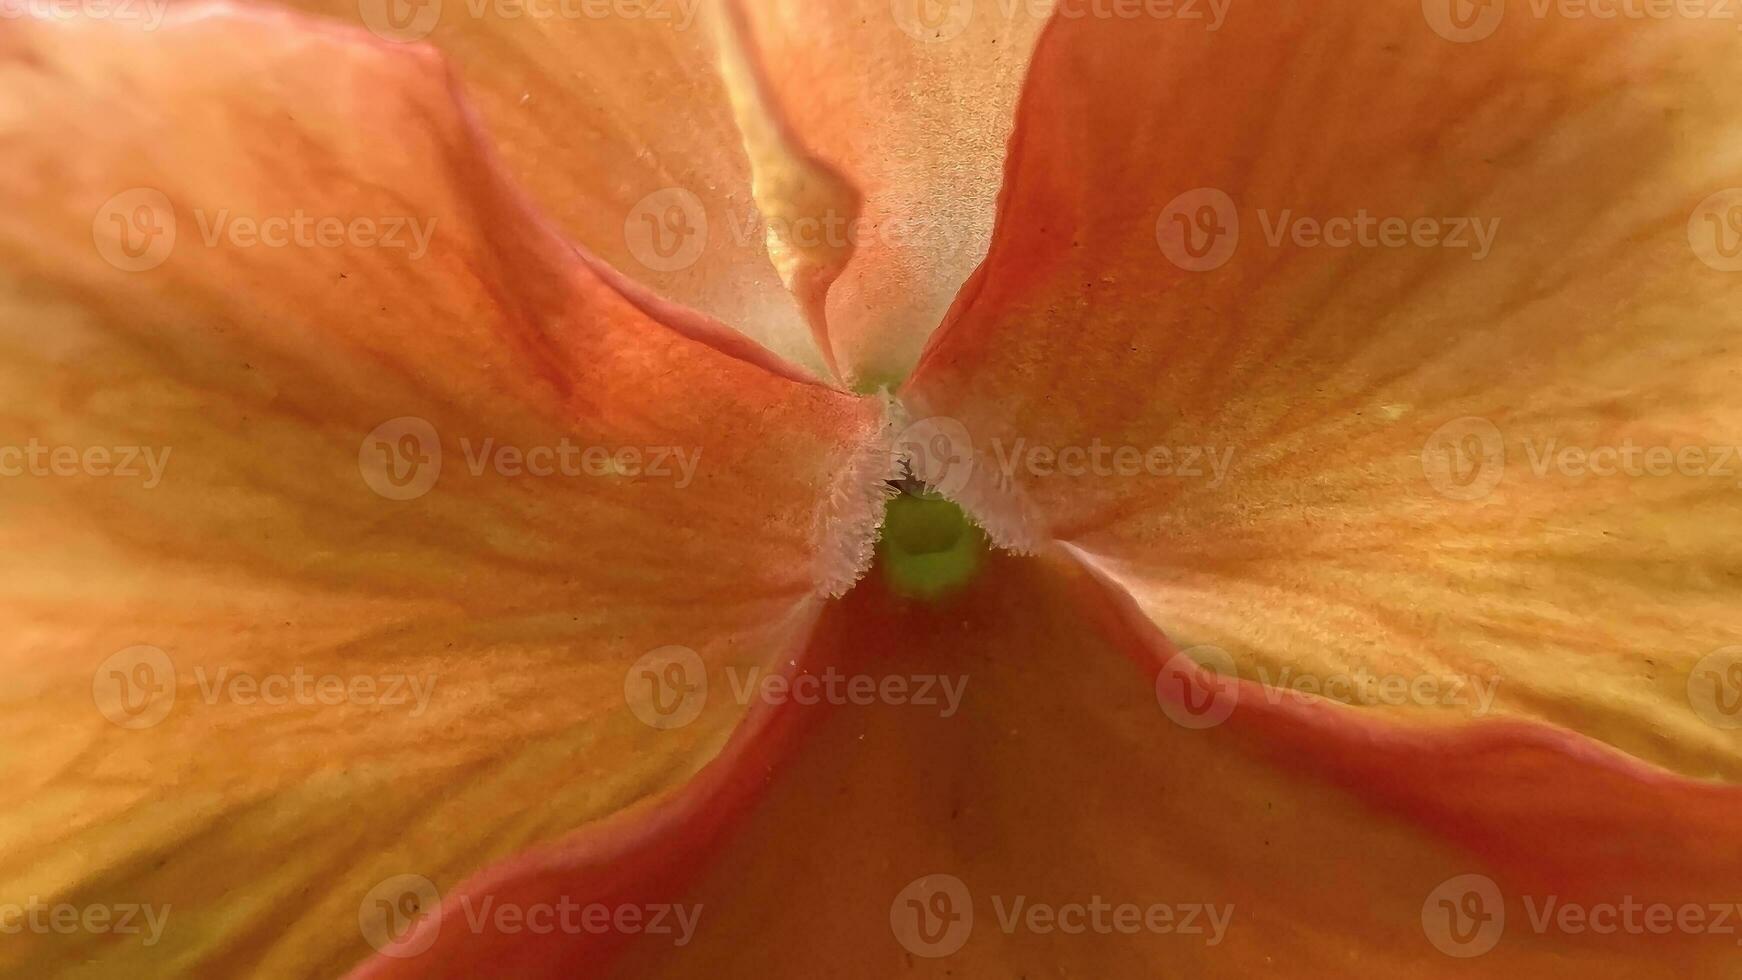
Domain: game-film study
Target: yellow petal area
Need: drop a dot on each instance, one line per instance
(616, 116)
(1388, 358)
(1054, 819)
(345, 508)
(912, 101)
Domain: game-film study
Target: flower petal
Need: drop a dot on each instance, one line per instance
(604, 885)
(616, 116)
(1302, 317)
(1061, 784)
(346, 508)
(912, 101)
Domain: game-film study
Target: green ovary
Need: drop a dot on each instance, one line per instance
(928, 548)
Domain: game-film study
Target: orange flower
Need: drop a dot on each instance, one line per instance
(446, 443)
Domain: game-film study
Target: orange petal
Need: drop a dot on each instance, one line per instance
(568, 909)
(616, 116)
(346, 508)
(1061, 783)
(1342, 461)
(912, 101)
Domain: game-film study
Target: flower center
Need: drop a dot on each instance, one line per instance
(928, 548)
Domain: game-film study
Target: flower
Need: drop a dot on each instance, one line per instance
(438, 538)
